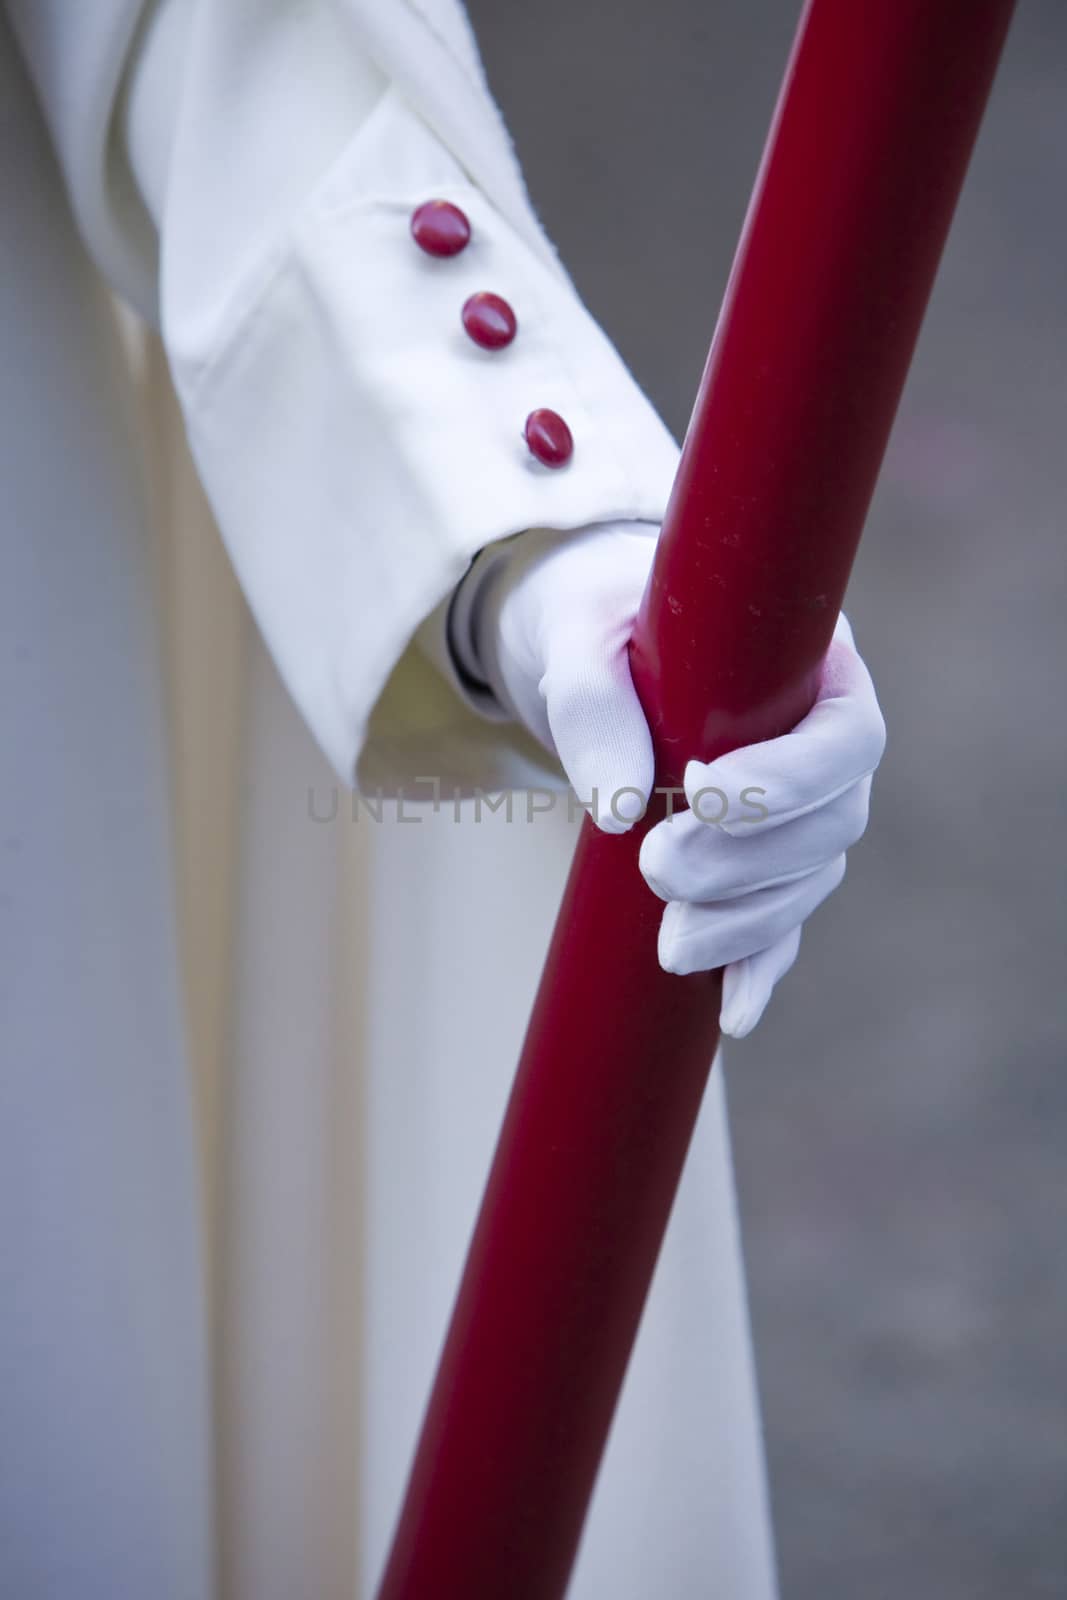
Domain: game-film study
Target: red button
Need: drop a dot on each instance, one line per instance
(440, 228)
(489, 320)
(549, 438)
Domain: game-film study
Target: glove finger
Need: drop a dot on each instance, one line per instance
(685, 858)
(698, 938)
(747, 985)
(598, 727)
(840, 741)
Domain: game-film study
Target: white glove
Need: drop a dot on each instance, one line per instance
(546, 618)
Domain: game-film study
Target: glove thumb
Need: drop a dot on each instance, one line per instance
(598, 728)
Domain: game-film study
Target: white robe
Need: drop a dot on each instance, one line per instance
(355, 992)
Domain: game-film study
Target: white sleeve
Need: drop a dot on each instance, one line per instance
(357, 448)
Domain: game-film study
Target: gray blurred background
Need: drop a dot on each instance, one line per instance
(900, 1119)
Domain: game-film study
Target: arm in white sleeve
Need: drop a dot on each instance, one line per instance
(357, 447)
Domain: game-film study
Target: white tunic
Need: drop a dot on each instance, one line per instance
(356, 450)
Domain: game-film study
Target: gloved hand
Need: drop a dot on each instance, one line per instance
(762, 842)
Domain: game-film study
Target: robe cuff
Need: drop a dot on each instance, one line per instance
(359, 448)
